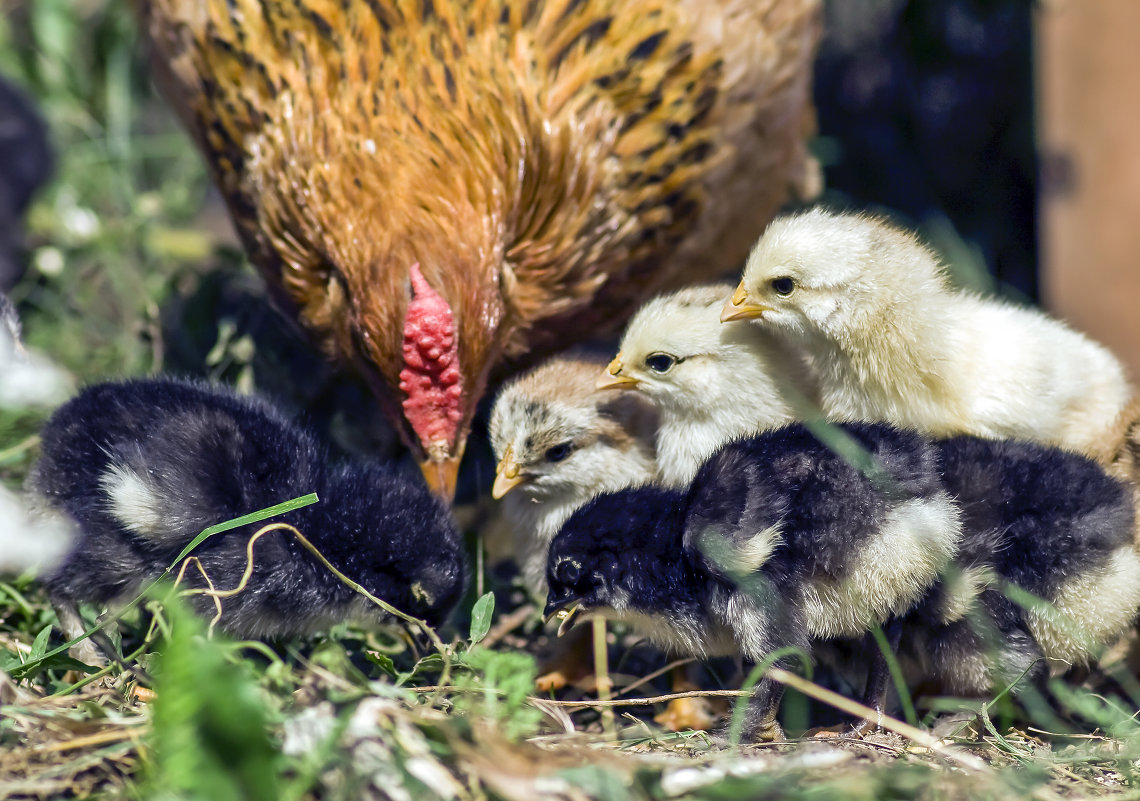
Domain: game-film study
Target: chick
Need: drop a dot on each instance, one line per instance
(891, 341)
(143, 466)
(559, 442)
(1048, 522)
(712, 383)
(779, 542)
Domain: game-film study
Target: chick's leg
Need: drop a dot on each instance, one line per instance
(878, 677)
(569, 662)
(760, 724)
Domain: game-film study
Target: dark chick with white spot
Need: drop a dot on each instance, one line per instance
(779, 542)
(144, 466)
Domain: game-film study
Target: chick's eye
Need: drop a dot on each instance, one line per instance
(660, 362)
(783, 286)
(558, 452)
(569, 571)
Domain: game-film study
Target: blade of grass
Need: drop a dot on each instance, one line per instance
(896, 675)
(602, 676)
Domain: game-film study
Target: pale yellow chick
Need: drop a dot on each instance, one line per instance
(711, 383)
(889, 339)
(559, 442)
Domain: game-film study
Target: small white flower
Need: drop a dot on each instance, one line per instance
(48, 261)
(30, 541)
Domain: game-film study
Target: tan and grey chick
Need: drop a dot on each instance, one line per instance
(559, 442)
(890, 340)
(711, 383)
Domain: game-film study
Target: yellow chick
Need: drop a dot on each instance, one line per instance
(560, 442)
(889, 339)
(711, 383)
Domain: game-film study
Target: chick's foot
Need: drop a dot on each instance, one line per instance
(687, 713)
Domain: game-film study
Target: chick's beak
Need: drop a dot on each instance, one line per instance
(441, 474)
(507, 475)
(613, 379)
(738, 307)
(566, 610)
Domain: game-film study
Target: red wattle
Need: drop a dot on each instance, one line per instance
(430, 378)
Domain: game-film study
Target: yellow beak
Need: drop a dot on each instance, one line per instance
(442, 474)
(613, 379)
(738, 307)
(507, 475)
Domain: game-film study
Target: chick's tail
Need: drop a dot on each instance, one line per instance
(157, 510)
(1122, 457)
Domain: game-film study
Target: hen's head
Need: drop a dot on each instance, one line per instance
(440, 190)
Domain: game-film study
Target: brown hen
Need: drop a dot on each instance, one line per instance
(442, 188)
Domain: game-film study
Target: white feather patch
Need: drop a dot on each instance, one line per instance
(962, 588)
(752, 554)
(133, 501)
(890, 573)
(1090, 610)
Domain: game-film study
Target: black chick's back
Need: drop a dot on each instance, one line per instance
(1036, 520)
(144, 466)
(1040, 515)
(833, 500)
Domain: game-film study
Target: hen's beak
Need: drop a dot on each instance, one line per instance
(441, 475)
(613, 379)
(738, 307)
(565, 613)
(507, 475)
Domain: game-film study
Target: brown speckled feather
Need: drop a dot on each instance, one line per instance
(546, 163)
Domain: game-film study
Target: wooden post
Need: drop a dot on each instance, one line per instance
(1088, 75)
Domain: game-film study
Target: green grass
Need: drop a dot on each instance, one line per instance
(129, 274)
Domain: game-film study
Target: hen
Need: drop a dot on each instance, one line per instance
(440, 190)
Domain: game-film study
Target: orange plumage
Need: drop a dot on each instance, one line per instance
(545, 164)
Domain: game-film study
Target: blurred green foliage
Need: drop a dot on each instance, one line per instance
(210, 725)
(114, 230)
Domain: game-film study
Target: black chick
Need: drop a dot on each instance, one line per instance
(144, 466)
(779, 542)
(1048, 522)
(26, 163)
